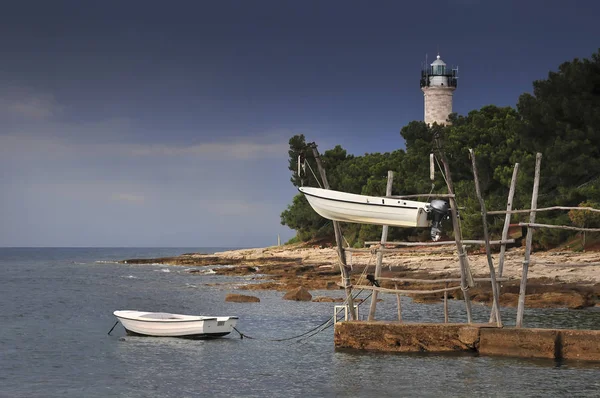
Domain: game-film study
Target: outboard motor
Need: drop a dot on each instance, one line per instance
(439, 210)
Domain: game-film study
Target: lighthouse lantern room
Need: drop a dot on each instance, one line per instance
(438, 84)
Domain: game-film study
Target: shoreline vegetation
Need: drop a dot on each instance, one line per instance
(556, 279)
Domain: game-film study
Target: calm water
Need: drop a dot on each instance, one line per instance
(56, 309)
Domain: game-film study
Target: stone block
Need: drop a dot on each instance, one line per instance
(406, 337)
(524, 343)
(580, 344)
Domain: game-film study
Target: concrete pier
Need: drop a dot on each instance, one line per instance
(484, 339)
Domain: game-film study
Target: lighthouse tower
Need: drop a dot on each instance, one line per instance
(438, 84)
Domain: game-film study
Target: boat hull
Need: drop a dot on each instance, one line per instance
(347, 207)
(160, 324)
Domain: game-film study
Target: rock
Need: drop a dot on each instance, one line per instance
(240, 298)
(298, 294)
(325, 299)
(563, 299)
(571, 300)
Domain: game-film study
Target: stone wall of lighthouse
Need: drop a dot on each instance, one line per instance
(438, 104)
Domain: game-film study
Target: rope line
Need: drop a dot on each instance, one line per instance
(329, 322)
(314, 175)
(441, 169)
(314, 330)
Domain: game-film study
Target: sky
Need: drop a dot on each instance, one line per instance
(166, 123)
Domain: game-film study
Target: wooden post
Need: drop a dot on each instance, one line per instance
(486, 237)
(398, 300)
(384, 234)
(344, 269)
(511, 195)
(466, 280)
(529, 241)
(446, 303)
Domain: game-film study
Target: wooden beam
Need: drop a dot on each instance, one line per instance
(445, 280)
(465, 271)
(384, 234)
(384, 290)
(534, 225)
(344, 269)
(529, 241)
(509, 202)
(543, 209)
(443, 243)
(420, 195)
(488, 251)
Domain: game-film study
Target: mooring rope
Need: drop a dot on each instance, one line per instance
(323, 326)
(111, 329)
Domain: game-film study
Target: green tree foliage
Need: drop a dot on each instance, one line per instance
(585, 218)
(563, 122)
(560, 119)
(356, 174)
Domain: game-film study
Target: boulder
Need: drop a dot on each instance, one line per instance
(298, 294)
(240, 298)
(325, 299)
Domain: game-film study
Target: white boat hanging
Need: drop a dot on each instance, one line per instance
(362, 209)
(162, 324)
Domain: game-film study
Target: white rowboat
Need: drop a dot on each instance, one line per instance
(162, 324)
(349, 207)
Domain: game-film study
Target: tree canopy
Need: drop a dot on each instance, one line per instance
(560, 119)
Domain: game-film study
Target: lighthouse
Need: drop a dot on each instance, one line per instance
(438, 84)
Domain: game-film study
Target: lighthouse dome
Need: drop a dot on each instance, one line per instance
(438, 67)
(438, 61)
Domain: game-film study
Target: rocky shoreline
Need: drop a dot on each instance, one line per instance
(557, 279)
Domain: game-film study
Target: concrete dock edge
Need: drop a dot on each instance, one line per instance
(484, 339)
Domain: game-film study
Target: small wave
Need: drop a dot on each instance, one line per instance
(222, 266)
(199, 271)
(130, 277)
(163, 270)
(106, 262)
(134, 263)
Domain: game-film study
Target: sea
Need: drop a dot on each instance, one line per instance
(56, 309)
